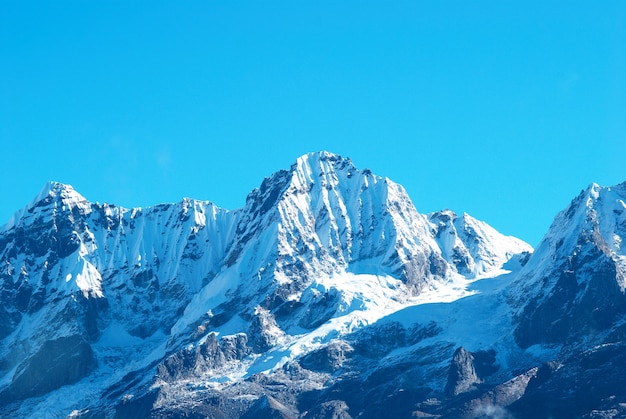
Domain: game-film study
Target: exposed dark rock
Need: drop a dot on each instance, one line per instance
(205, 357)
(332, 409)
(588, 382)
(329, 358)
(438, 266)
(287, 308)
(58, 362)
(585, 301)
(485, 363)
(368, 343)
(388, 393)
(263, 331)
(493, 401)
(418, 332)
(322, 309)
(143, 278)
(462, 377)
(136, 407)
(267, 407)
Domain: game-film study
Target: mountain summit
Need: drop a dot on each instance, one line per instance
(326, 281)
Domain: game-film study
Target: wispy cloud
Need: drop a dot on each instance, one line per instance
(491, 411)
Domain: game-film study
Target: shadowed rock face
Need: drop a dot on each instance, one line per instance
(268, 407)
(58, 362)
(333, 409)
(462, 377)
(586, 382)
(328, 359)
(467, 370)
(586, 300)
(574, 285)
(212, 354)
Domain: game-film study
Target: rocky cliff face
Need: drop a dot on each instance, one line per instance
(573, 289)
(568, 308)
(326, 295)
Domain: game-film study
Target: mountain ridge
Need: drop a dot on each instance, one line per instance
(327, 279)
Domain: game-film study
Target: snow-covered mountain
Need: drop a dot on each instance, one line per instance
(326, 295)
(574, 286)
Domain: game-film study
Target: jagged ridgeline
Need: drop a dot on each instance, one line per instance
(327, 295)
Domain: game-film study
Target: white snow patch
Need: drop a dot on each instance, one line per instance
(209, 297)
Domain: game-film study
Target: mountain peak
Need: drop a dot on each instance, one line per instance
(57, 195)
(54, 189)
(322, 162)
(324, 169)
(595, 195)
(58, 192)
(595, 199)
(321, 156)
(596, 216)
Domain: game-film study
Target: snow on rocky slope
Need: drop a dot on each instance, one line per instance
(107, 309)
(566, 309)
(575, 283)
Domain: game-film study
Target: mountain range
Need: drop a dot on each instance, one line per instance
(328, 295)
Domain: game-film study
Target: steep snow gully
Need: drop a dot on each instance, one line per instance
(326, 295)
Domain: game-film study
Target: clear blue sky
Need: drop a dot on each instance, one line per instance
(504, 111)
